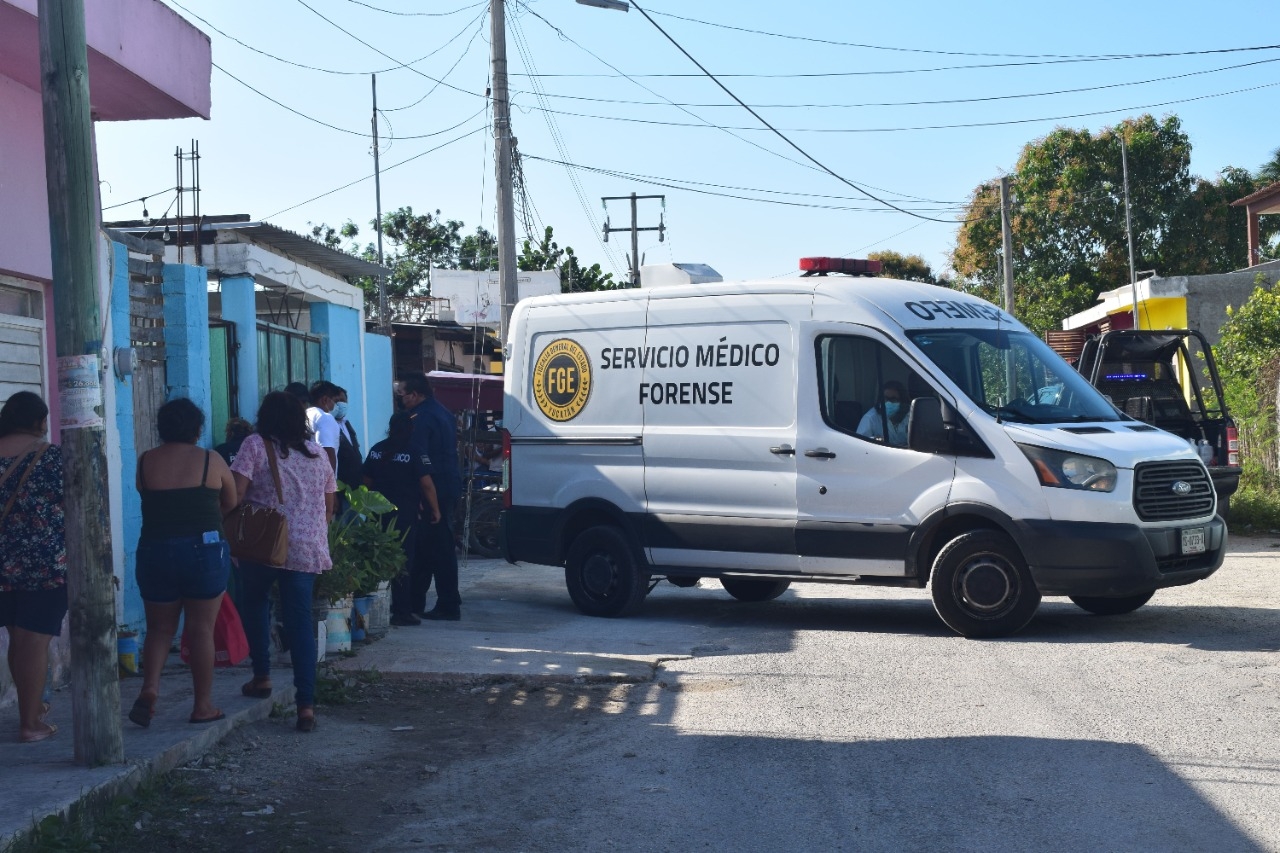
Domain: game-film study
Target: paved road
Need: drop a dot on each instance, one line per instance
(846, 718)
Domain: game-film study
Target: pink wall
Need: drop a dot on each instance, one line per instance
(24, 205)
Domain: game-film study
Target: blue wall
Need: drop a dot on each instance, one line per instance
(340, 329)
(238, 308)
(186, 337)
(131, 502)
(378, 376)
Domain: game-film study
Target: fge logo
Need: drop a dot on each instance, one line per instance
(562, 380)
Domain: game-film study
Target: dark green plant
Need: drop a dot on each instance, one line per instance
(365, 552)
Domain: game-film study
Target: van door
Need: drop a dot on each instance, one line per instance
(860, 491)
(718, 393)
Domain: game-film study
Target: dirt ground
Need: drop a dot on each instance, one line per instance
(367, 769)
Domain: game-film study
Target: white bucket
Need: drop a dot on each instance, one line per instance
(337, 625)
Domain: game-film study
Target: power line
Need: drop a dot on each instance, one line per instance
(921, 103)
(418, 14)
(692, 186)
(377, 50)
(905, 128)
(1077, 57)
(306, 67)
(140, 198)
(475, 34)
(558, 140)
(882, 72)
(776, 132)
(301, 114)
(384, 170)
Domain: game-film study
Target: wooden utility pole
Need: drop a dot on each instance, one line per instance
(384, 317)
(502, 142)
(73, 233)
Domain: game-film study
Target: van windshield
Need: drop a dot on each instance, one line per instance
(1014, 376)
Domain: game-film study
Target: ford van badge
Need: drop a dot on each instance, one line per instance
(1181, 487)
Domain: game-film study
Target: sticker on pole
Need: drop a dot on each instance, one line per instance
(562, 380)
(79, 391)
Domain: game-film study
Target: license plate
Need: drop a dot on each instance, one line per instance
(1193, 540)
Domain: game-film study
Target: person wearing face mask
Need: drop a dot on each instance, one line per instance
(350, 462)
(320, 421)
(887, 420)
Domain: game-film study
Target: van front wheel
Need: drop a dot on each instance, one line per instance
(603, 575)
(981, 586)
(754, 589)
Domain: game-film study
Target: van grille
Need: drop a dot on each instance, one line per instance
(1154, 497)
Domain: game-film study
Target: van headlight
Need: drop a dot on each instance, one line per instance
(1070, 470)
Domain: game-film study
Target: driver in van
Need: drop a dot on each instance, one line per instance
(892, 409)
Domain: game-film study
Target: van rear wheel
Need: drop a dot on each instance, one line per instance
(754, 589)
(981, 586)
(603, 574)
(1112, 606)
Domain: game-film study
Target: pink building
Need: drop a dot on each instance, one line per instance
(145, 62)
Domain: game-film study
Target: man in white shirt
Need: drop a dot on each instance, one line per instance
(323, 426)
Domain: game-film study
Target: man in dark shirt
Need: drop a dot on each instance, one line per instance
(238, 429)
(349, 459)
(401, 471)
(435, 429)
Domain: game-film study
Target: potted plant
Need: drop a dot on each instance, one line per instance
(365, 553)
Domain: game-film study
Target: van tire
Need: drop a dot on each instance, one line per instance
(754, 589)
(981, 586)
(603, 574)
(1112, 606)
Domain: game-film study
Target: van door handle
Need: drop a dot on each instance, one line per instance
(820, 453)
(783, 450)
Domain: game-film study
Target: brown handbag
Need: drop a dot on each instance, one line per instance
(260, 534)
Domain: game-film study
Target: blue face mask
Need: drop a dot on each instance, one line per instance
(340, 411)
(892, 407)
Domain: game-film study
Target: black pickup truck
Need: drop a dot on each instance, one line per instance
(1169, 379)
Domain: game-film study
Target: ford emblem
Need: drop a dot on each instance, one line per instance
(1182, 487)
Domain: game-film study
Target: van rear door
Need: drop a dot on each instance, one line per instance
(860, 492)
(718, 394)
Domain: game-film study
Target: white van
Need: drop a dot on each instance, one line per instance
(740, 431)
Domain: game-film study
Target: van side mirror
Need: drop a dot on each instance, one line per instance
(930, 426)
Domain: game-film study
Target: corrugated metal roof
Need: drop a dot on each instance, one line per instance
(285, 242)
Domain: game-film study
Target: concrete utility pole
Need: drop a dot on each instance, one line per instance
(1006, 229)
(502, 141)
(635, 231)
(384, 319)
(1128, 227)
(73, 233)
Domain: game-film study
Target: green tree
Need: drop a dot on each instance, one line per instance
(904, 267)
(1068, 217)
(1248, 356)
(1269, 172)
(546, 254)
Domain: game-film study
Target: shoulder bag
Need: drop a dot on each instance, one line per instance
(22, 481)
(260, 534)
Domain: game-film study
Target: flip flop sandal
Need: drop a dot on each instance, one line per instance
(53, 730)
(255, 690)
(142, 712)
(213, 719)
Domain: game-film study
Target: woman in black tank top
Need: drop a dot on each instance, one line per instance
(183, 561)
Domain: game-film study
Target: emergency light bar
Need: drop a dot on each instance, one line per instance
(849, 266)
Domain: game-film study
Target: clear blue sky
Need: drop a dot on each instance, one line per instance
(857, 86)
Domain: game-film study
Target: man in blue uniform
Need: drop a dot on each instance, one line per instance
(435, 429)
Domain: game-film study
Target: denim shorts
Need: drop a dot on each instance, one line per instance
(39, 611)
(182, 567)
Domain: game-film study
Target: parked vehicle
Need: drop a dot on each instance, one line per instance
(1169, 379)
(744, 432)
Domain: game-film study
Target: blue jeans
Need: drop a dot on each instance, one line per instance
(295, 612)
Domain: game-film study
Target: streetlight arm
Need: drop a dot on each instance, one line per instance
(617, 5)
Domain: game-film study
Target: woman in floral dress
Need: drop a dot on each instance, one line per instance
(33, 554)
